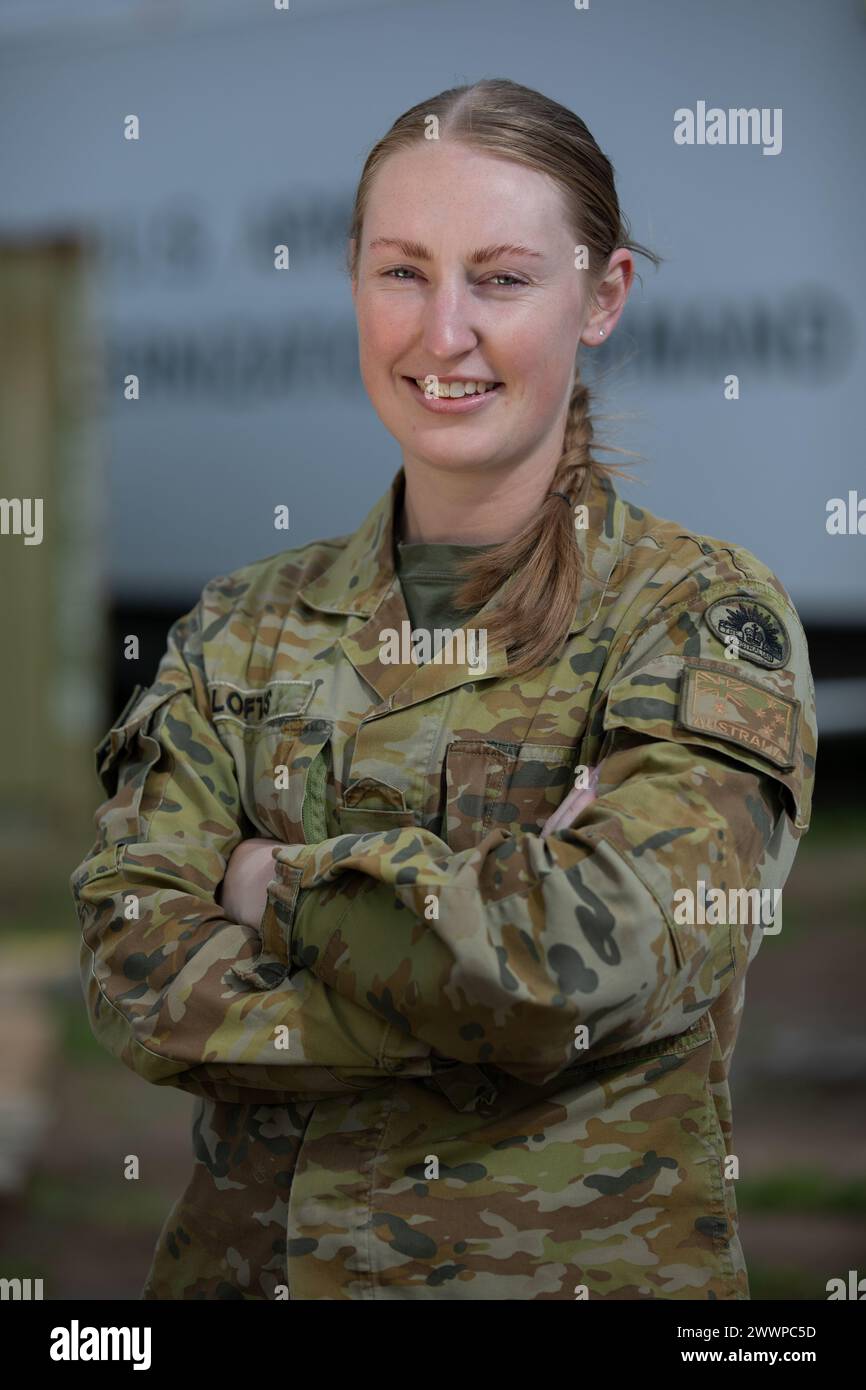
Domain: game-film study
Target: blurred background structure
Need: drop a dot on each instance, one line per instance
(156, 257)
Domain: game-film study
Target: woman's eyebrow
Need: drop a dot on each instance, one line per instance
(416, 252)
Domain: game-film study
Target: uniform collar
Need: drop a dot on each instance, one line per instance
(364, 572)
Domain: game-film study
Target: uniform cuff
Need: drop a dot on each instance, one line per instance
(278, 916)
(272, 964)
(285, 896)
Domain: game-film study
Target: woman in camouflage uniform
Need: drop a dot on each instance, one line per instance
(458, 1020)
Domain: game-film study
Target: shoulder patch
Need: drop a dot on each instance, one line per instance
(741, 711)
(760, 634)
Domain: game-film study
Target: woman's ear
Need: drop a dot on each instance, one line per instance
(609, 299)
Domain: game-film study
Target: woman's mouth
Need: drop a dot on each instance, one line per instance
(470, 395)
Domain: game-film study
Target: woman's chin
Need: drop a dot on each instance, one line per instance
(450, 454)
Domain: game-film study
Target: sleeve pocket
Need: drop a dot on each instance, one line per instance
(705, 704)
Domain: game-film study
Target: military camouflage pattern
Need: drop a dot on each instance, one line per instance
(460, 1059)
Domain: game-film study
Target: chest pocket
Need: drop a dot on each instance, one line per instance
(370, 805)
(281, 756)
(509, 786)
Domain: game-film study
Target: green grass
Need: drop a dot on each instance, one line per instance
(77, 1044)
(778, 1282)
(116, 1203)
(833, 828)
(36, 902)
(21, 1267)
(802, 1189)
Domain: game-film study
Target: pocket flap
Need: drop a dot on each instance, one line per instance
(136, 713)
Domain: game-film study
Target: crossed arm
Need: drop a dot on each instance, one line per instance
(244, 890)
(375, 949)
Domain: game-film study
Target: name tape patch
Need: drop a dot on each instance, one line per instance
(740, 711)
(252, 707)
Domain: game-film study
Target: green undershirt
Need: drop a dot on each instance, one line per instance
(427, 578)
(428, 581)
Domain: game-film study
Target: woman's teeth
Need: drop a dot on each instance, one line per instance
(457, 388)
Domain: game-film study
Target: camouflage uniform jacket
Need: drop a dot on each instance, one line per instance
(458, 1059)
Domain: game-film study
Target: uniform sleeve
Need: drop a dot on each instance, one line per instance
(534, 953)
(179, 993)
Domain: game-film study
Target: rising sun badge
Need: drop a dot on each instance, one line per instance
(761, 636)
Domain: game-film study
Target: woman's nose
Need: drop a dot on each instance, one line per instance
(449, 322)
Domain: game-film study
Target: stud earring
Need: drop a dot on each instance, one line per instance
(601, 332)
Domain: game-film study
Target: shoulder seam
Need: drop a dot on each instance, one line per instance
(665, 615)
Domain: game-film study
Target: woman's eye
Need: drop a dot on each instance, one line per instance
(403, 273)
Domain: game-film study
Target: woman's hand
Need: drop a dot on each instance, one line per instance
(244, 890)
(577, 800)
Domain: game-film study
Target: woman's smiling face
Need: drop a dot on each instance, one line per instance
(482, 287)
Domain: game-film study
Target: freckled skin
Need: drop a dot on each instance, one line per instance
(427, 957)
